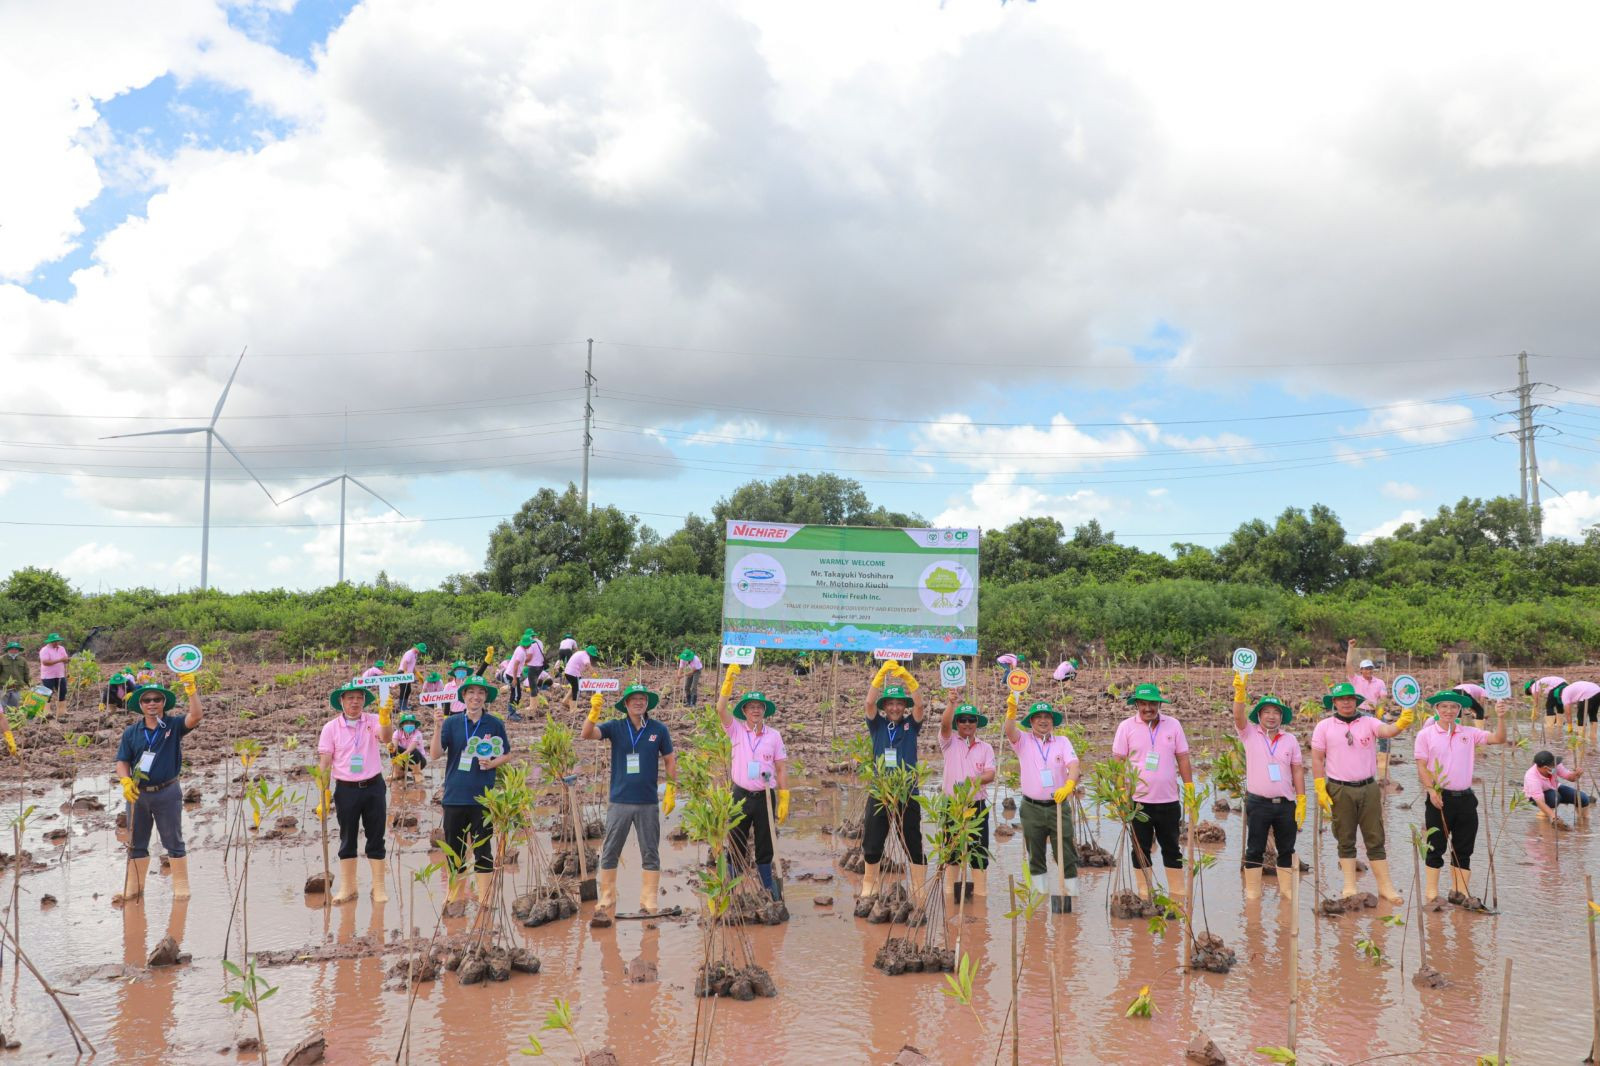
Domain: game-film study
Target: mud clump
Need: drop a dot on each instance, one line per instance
(565, 863)
(890, 905)
(1209, 833)
(1211, 954)
(166, 953)
(419, 968)
(542, 906)
(852, 861)
(850, 830)
(1269, 860)
(1428, 977)
(741, 984)
(561, 830)
(1131, 905)
(1348, 904)
(1093, 855)
(494, 964)
(308, 1051)
(758, 909)
(317, 883)
(1203, 1051)
(1468, 903)
(1221, 805)
(903, 955)
(192, 795)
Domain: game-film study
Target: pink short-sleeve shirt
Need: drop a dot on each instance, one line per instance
(1535, 783)
(963, 760)
(354, 747)
(1135, 742)
(1453, 751)
(1351, 748)
(1578, 691)
(1372, 692)
(52, 662)
(1261, 753)
(1043, 766)
(755, 756)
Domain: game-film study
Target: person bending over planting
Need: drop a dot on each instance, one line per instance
(1047, 767)
(578, 664)
(639, 745)
(1156, 746)
(152, 749)
(894, 721)
(1274, 788)
(759, 764)
(351, 748)
(1344, 768)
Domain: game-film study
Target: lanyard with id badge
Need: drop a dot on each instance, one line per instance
(753, 769)
(358, 761)
(1274, 771)
(1152, 758)
(148, 759)
(467, 748)
(633, 742)
(1047, 778)
(891, 757)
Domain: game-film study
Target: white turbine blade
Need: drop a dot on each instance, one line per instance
(224, 397)
(240, 461)
(386, 503)
(313, 488)
(155, 433)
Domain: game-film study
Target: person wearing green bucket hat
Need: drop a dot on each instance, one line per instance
(1156, 746)
(894, 715)
(473, 744)
(406, 748)
(13, 674)
(1047, 775)
(578, 664)
(760, 765)
(1275, 788)
(689, 661)
(349, 750)
(53, 667)
(151, 750)
(1344, 771)
(1444, 752)
(968, 762)
(408, 665)
(640, 745)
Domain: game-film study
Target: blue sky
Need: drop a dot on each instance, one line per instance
(1156, 295)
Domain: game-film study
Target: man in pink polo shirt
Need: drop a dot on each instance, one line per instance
(1344, 766)
(1546, 687)
(1444, 752)
(1155, 745)
(1372, 690)
(1582, 697)
(759, 764)
(966, 758)
(1275, 787)
(53, 667)
(1047, 768)
(351, 747)
(1546, 784)
(408, 665)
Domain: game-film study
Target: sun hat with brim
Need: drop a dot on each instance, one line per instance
(1272, 701)
(53, 638)
(1460, 699)
(407, 717)
(433, 677)
(420, 646)
(137, 694)
(13, 644)
(592, 651)
(379, 664)
(1340, 691)
(686, 655)
(1527, 687)
(629, 691)
(525, 642)
(336, 697)
(490, 692)
(894, 692)
(1147, 693)
(754, 697)
(967, 710)
(1041, 708)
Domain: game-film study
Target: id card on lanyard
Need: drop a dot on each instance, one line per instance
(753, 768)
(466, 748)
(1047, 777)
(632, 766)
(1274, 771)
(148, 759)
(1152, 758)
(358, 761)
(891, 757)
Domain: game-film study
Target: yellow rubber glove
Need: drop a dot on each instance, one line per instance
(11, 742)
(1238, 688)
(669, 799)
(488, 655)
(1011, 707)
(1300, 811)
(1323, 799)
(188, 685)
(595, 703)
(883, 673)
(1188, 791)
(1064, 791)
(383, 715)
(783, 805)
(729, 675)
(911, 683)
(130, 788)
(1405, 719)
(326, 805)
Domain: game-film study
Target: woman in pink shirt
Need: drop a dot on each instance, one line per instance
(53, 667)
(1344, 768)
(408, 665)
(1544, 784)
(966, 758)
(1275, 787)
(1155, 745)
(1479, 697)
(1584, 696)
(1444, 752)
(1545, 686)
(759, 764)
(349, 748)
(408, 746)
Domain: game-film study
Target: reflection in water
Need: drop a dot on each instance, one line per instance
(831, 1003)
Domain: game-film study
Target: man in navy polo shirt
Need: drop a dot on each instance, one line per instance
(148, 761)
(466, 743)
(638, 744)
(894, 720)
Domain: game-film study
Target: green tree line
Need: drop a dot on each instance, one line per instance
(1471, 577)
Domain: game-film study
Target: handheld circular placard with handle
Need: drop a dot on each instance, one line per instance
(184, 659)
(1244, 661)
(1406, 691)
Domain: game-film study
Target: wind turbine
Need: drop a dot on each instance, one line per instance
(210, 430)
(342, 479)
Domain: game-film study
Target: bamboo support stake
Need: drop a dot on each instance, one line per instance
(1422, 921)
(1294, 955)
(1016, 1026)
(1505, 1013)
(1594, 971)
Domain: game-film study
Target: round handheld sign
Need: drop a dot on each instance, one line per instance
(1244, 661)
(1406, 691)
(1017, 680)
(953, 673)
(184, 659)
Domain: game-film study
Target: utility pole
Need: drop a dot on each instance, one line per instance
(588, 414)
(1527, 431)
(1523, 418)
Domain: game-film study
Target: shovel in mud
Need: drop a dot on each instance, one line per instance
(588, 890)
(772, 828)
(1060, 902)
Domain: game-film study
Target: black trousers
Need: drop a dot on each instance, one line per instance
(1590, 707)
(875, 832)
(1160, 825)
(1261, 816)
(361, 809)
(464, 820)
(405, 695)
(1461, 815)
(754, 826)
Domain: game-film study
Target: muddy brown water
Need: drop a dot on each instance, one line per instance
(832, 1006)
